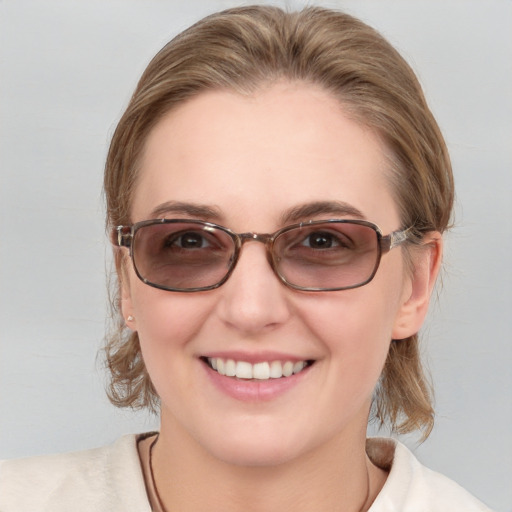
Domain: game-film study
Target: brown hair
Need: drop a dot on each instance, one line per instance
(243, 49)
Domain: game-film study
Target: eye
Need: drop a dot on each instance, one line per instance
(323, 240)
(188, 240)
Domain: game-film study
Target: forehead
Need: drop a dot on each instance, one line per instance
(261, 154)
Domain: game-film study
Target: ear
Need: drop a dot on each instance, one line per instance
(426, 262)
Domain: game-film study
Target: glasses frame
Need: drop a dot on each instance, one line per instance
(124, 236)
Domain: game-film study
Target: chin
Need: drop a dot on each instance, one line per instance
(262, 445)
(254, 454)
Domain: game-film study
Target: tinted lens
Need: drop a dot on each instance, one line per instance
(332, 255)
(182, 255)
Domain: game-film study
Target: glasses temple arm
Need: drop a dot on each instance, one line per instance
(395, 239)
(122, 236)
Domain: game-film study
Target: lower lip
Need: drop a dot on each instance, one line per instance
(254, 390)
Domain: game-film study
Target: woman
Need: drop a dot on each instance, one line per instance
(277, 190)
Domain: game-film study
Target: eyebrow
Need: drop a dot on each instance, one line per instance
(194, 210)
(296, 214)
(317, 208)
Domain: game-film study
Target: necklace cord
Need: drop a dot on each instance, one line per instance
(152, 475)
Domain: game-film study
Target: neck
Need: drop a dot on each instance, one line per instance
(335, 476)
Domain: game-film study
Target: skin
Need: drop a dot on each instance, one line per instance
(251, 159)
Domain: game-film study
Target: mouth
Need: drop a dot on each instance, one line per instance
(264, 370)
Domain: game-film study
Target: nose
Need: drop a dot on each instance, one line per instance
(253, 298)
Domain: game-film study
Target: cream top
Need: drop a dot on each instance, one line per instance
(111, 479)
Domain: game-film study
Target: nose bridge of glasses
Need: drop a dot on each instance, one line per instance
(264, 238)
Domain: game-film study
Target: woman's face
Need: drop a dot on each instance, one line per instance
(247, 163)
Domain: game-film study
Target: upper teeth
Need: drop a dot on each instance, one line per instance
(262, 371)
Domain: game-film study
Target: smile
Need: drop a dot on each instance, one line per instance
(260, 371)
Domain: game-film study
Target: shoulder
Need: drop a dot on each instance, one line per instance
(108, 478)
(412, 487)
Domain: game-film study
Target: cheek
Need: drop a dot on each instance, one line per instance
(166, 321)
(167, 324)
(357, 336)
(355, 326)
(354, 322)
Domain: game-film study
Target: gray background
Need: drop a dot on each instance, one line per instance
(67, 71)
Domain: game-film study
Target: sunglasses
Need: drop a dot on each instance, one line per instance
(182, 255)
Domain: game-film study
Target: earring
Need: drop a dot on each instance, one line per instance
(130, 318)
